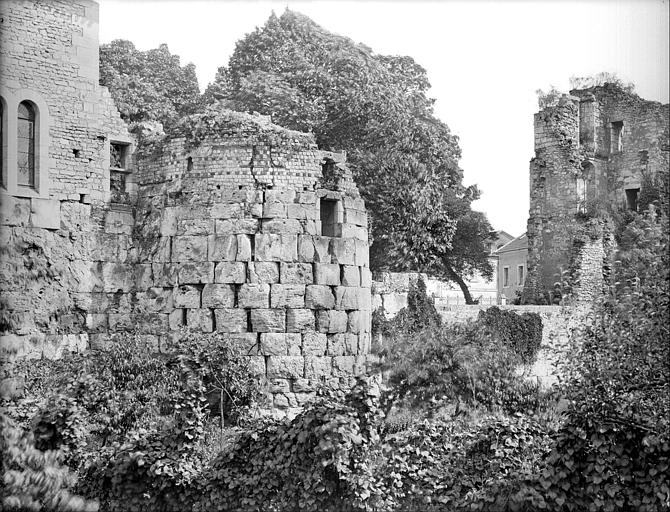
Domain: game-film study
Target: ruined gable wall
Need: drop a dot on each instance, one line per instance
(578, 164)
(49, 56)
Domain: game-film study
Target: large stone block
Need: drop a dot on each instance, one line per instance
(282, 226)
(274, 210)
(362, 253)
(325, 273)
(280, 344)
(314, 343)
(280, 196)
(285, 367)
(364, 341)
(263, 272)
(14, 211)
(299, 320)
(317, 367)
(195, 226)
(117, 277)
(366, 277)
(44, 213)
(243, 248)
(200, 272)
(268, 320)
(230, 320)
(230, 272)
(142, 278)
(247, 342)
(222, 247)
(227, 211)
(164, 274)
(343, 366)
(343, 251)
(236, 226)
(218, 296)
(154, 300)
(275, 247)
(331, 321)
(364, 299)
(319, 297)
(199, 320)
(296, 273)
(351, 275)
(186, 296)
(346, 297)
(313, 249)
(254, 296)
(302, 211)
(176, 319)
(189, 248)
(257, 366)
(287, 296)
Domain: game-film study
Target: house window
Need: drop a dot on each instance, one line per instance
(617, 136)
(118, 171)
(505, 276)
(631, 198)
(519, 275)
(26, 145)
(329, 218)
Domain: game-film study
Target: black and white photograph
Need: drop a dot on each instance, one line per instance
(334, 256)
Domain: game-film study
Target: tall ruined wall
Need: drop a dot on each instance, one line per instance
(236, 233)
(49, 58)
(597, 149)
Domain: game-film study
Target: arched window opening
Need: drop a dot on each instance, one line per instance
(26, 145)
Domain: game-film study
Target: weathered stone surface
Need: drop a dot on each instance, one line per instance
(343, 366)
(275, 247)
(331, 321)
(364, 343)
(343, 251)
(230, 272)
(176, 319)
(243, 248)
(273, 210)
(218, 296)
(366, 277)
(222, 247)
(362, 255)
(347, 297)
(248, 342)
(257, 366)
(317, 367)
(195, 226)
(268, 320)
(200, 320)
(186, 296)
(285, 367)
(313, 249)
(196, 273)
(299, 320)
(236, 226)
(280, 344)
(314, 343)
(319, 297)
(45, 213)
(254, 296)
(351, 275)
(154, 300)
(189, 248)
(282, 226)
(230, 320)
(296, 273)
(328, 274)
(263, 272)
(287, 296)
(14, 211)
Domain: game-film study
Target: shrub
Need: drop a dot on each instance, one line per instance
(522, 333)
(34, 479)
(321, 460)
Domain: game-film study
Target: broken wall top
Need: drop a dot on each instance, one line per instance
(223, 150)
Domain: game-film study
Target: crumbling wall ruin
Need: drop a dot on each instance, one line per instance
(597, 149)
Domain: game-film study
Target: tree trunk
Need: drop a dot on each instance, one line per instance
(464, 288)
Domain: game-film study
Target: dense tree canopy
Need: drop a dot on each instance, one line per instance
(148, 85)
(404, 159)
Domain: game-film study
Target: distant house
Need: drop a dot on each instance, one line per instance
(512, 268)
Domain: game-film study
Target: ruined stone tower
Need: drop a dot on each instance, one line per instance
(232, 225)
(598, 147)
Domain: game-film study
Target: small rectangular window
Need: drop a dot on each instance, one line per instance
(329, 219)
(631, 198)
(118, 171)
(519, 275)
(506, 276)
(617, 136)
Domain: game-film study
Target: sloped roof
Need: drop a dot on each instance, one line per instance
(520, 242)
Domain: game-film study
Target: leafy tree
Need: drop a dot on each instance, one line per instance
(404, 159)
(148, 85)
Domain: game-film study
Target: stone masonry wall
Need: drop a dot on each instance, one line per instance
(49, 56)
(590, 149)
(229, 238)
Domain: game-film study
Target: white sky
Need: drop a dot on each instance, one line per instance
(485, 60)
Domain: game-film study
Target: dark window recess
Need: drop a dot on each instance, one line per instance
(189, 164)
(617, 136)
(26, 145)
(117, 186)
(631, 198)
(117, 155)
(329, 224)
